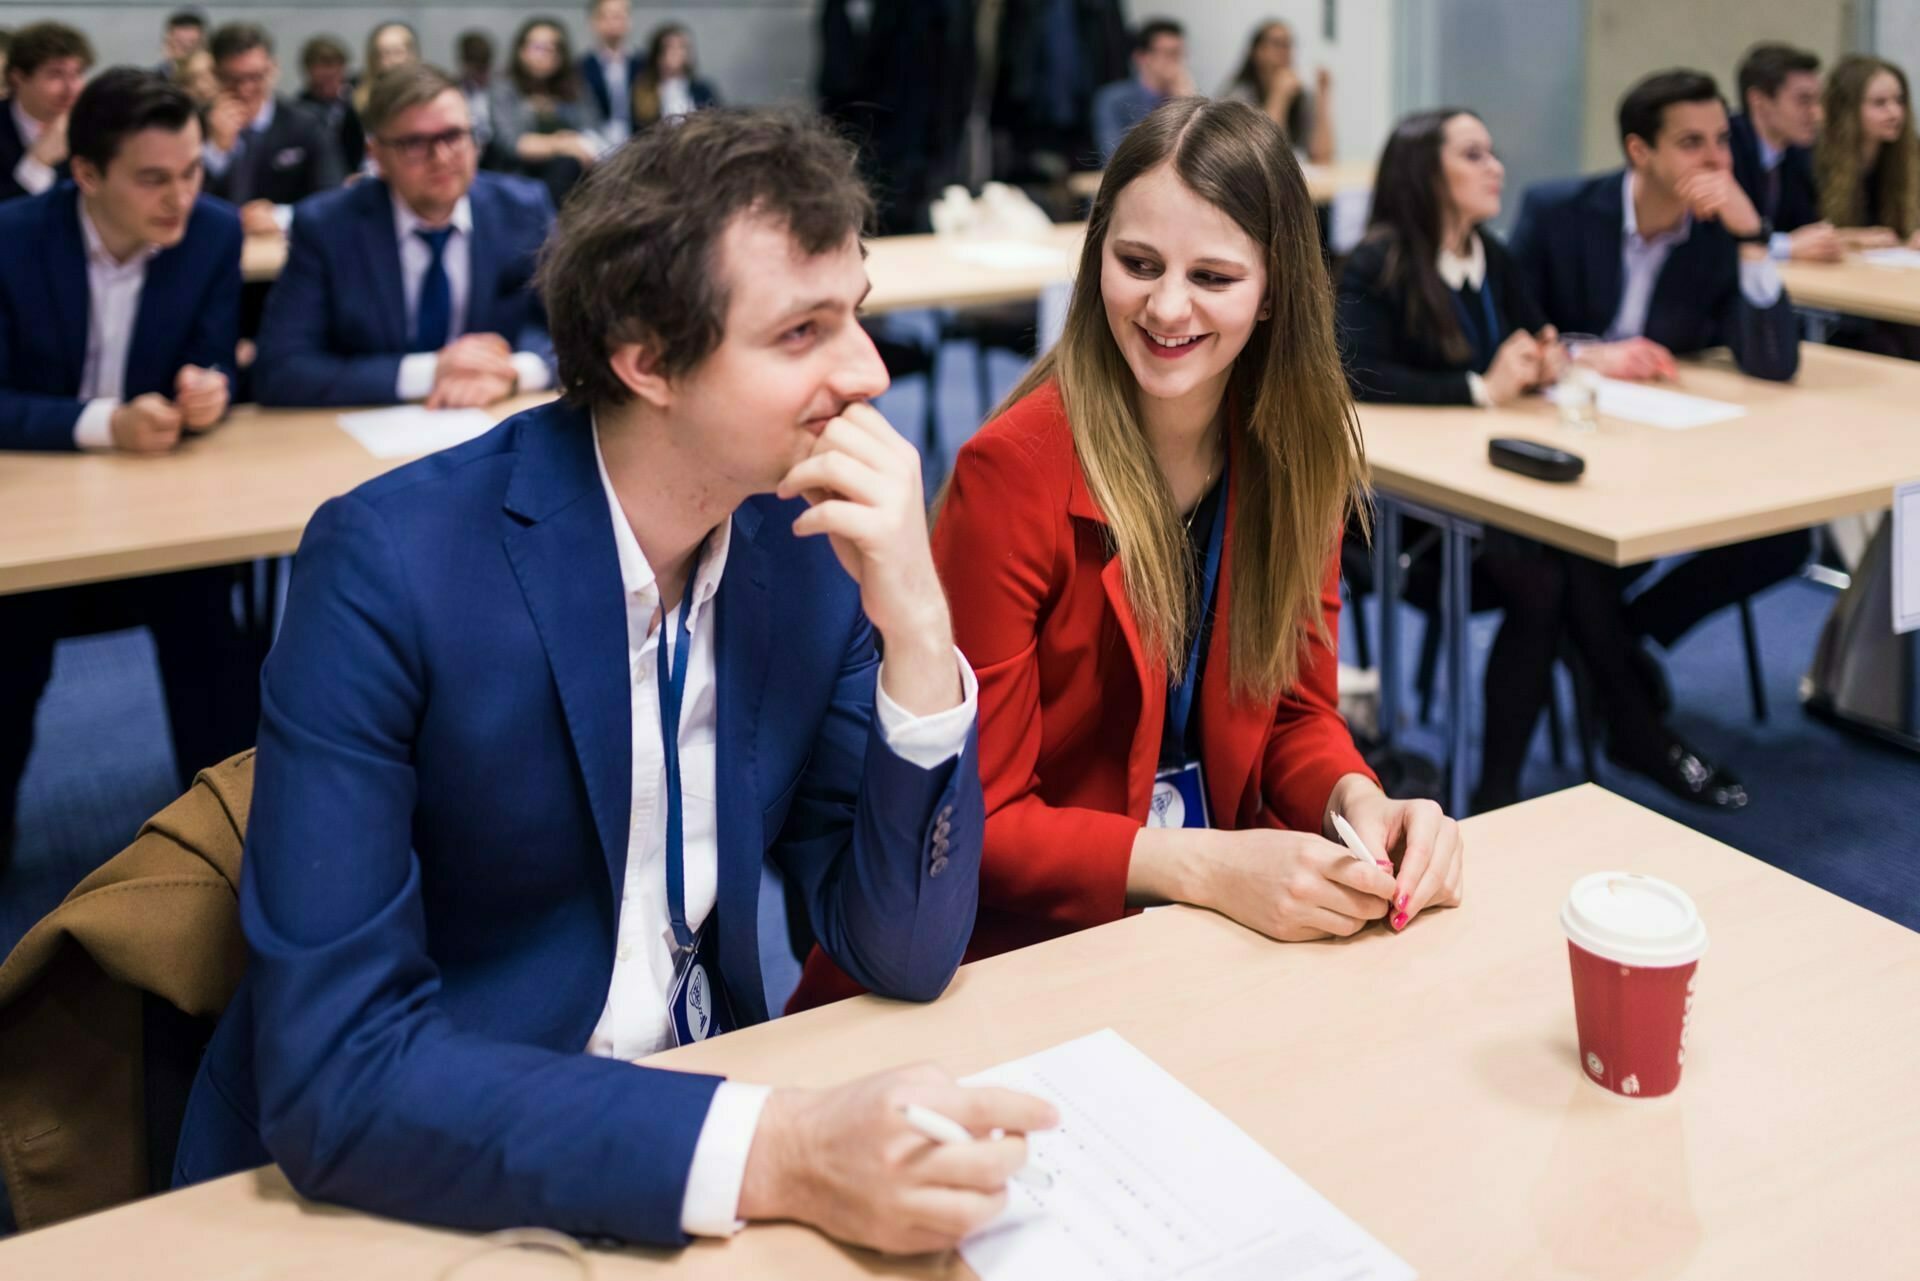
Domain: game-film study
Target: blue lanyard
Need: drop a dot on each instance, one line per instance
(673, 688)
(1180, 695)
(1493, 334)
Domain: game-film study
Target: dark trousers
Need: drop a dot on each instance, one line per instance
(1709, 581)
(209, 666)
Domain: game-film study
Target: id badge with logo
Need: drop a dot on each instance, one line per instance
(698, 998)
(1179, 798)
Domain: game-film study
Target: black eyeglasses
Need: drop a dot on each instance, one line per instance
(418, 146)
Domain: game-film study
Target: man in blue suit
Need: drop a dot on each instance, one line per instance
(1669, 257)
(119, 293)
(545, 707)
(46, 68)
(415, 287)
(609, 70)
(1772, 143)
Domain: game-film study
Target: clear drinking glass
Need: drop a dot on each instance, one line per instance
(1578, 390)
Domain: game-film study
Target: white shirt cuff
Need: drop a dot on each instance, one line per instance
(94, 428)
(1760, 282)
(416, 376)
(1477, 388)
(283, 218)
(215, 159)
(928, 741)
(33, 176)
(532, 371)
(1780, 246)
(712, 1204)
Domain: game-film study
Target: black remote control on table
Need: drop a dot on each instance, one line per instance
(1531, 458)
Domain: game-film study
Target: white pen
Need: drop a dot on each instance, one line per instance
(946, 1130)
(1355, 846)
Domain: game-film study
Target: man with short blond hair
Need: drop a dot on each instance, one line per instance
(415, 285)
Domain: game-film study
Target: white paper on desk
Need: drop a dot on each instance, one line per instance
(1656, 407)
(408, 430)
(1151, 1183)
(1008, 255)
(1893, 257)
(1906, 558)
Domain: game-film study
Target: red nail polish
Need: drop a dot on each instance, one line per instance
(1400, 921)
(1400, 902)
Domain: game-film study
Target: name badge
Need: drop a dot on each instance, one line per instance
(1179, 798)
(698, 997)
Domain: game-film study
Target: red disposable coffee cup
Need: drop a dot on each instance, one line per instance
(1635, 943)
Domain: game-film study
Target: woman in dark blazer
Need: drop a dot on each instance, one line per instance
(668, 86)
(1433, 312)
(1139, 552)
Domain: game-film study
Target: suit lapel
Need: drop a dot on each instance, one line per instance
(69, 292)
(1606, 214)
(147, 354)
(380, 252)
(562, 552)
(483, 263)
(743, 622)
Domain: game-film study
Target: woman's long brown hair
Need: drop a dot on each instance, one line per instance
(1837, 161)
(1298, 464)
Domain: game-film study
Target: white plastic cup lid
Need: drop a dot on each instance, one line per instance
(1633, 920)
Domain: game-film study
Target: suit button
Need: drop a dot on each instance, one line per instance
(942, 832)
(946, 813)
(939, 866)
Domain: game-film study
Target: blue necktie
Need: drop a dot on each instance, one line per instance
(434, 320)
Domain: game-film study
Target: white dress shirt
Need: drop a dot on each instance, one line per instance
(619, 123)
(637, 1020)
(1641, 259)
(1457, 273)
(417, 369)
(113, 304)
(676, 98)
(31, 174)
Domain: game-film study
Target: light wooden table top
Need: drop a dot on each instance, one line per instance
(1832, 443)
(243, 491)
(1324, 182)
(1856, 287)
(1426, 1083)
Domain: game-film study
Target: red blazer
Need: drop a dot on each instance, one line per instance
(1071, 709)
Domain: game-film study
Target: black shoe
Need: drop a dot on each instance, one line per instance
(1652, 677)
(1691, 777)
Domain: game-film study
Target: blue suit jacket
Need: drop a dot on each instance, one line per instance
(336, 321)
(595, 77)
(1799, 198)
(1567, 244)
(189, 312)
(439, 836)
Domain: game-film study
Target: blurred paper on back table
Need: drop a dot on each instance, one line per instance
(1151, 1182)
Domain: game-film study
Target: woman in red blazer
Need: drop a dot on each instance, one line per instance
(1141, 559)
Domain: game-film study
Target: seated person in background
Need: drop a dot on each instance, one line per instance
(46, 69)
(264, 153)
(517, 790)
(1159, 72)
(668, 87)
(194, 74)
(474, 52)
(1140, 550)
(185, 32)
(1773, 149)
(416, 285)
(543, 115)
(328, 96)
(1433, 311)
(609, 70)
(1868, 157)
(1267, 80)
(119, 293)
(1665, 258)
(390, 46)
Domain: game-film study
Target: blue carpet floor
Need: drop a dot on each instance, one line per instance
(1835, 809)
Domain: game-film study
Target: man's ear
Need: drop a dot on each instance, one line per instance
(87, 176)
(638, 369)
(1638, 152)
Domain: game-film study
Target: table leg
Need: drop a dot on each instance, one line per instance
(1386, 590)
(1456, 570)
